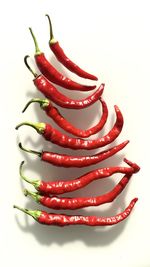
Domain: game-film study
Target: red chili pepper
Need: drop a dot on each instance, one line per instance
(54, 113)
(53, 75)
(61, 56)
(64, 220)
(64, 160)
(56, 137)
(46, 88)
(63, 186)
(55, 202)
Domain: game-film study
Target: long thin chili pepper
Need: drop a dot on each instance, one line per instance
(48, 89)
(55, 136)
(52, 74)
(55, 202)
(63, 186)
(64, 220)
(61, 56)
(64, 160)
(54, 113)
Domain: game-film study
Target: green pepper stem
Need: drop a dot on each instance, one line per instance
(37, 50)
(34, 195)
(33, 213)
(52, 39)
(29, 68)
(30, 151)
(39, 127)
(35, 183)
(43, 103)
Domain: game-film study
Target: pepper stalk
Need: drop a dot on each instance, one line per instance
(39, 126)
(33, 213)
(39, 154)
(35, 183)
(34, 195)
(44, 103)
(37, 49)
(52, 39)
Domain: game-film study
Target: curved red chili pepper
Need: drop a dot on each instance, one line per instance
(63, 220)
(54, 113)
(55, 202)
(63, 186)
(64, 160)
(46, 88)
(61, 56)
(53, 135)
(53, 75)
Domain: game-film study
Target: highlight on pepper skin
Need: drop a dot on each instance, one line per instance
(43, 83)
(64, 220)
(64, 160)
(52, 112)
(55, 136)
(52, 74)
(65, 186)
(54, 202)
(62, 58)
(50, 92)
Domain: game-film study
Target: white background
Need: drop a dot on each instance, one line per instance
(110, 39)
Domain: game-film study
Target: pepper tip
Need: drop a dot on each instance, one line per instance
(135, 199)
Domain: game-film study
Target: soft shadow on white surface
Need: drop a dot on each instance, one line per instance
(48, 171)
(91, 236)
(96, 236)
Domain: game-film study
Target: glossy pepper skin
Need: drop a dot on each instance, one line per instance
(55, 202)
(54, 114)
(55, 136)
(61, 56)
(50, 92)
(63, 220)
(47, 89)
(64, 160)
(63, 186)
(53, 75)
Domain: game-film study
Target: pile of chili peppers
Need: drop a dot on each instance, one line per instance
(47, 193)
